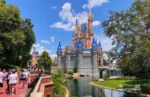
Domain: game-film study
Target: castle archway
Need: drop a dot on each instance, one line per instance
(101, 71)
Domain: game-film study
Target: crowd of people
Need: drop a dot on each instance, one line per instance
(12, 78)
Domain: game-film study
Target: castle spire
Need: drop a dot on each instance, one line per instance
(94, 45)
(77, 21)
(100, 46)
(90, 19)
(59, 49)
(59, 45)
(90, 12)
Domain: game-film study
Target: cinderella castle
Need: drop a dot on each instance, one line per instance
(85, 52)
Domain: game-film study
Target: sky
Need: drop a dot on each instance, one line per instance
(54, 20)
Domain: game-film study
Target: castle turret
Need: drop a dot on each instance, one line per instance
(77, 26)
(59, 55)
(101, 54)
(94, 57)
(90, 21)
(68, 57)
(79, 55)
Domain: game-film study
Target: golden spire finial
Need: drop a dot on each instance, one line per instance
(90, 12)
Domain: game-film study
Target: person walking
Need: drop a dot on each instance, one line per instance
(2, 75)
(26, 77)
(12, 82)
(7, 81)
(22, 78)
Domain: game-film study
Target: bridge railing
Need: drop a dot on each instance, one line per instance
(31, 86)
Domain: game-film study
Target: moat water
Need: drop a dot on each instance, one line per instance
(82, 88)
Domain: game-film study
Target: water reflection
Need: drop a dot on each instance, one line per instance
(81, 88)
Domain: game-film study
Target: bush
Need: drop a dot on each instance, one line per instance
(70, 72)
(65, 70)
(125, 78)
(129, 78)
(59, 72)
(8, 66)
(46, 71)
(59, 87)
(75, 69)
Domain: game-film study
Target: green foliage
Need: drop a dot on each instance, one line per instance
(9, 66)
(130, 31)
(59, 87)
(59, 72)
(16, 35)
(65, 70)
(45, 60)
(70, 72)
(113, 83)
(3, 1)
(75, 69)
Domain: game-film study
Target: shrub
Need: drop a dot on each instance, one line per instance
(59, 72)
(65, 70)
(70, 72)
(59, 87)
(75, 69)
(129, 78)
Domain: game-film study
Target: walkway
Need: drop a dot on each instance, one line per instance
(19, 91)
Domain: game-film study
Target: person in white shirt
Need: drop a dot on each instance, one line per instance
(26, 77)
(2, 75)
(12, 81)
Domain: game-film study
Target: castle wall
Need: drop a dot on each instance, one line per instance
(63, 62)
(86, 67)
(73, 61)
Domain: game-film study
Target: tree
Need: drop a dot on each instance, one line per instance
(45, 60)
(16, 34)
(130, 29)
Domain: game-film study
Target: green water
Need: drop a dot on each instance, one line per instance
(81, 88)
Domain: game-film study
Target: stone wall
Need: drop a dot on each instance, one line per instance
(86, 62)
(44, 87)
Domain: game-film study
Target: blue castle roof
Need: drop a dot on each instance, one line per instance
(59, 49)
(36, 53)
(100, 46)
(94, 45)
(77, 21)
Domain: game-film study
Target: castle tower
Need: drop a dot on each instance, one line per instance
(100, 55)
(68, 57)
(90, 31)
(94, 57)
(59, 55)
(90, 21)
(79, 55)
(35, 57)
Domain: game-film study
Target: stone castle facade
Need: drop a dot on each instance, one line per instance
(84, 52)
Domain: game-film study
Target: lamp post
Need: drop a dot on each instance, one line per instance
(20, 63)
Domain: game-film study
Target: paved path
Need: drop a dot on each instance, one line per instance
(19, 91)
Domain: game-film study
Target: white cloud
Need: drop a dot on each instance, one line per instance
(68, 16)
(66, 27)
(39, 48)
(105, 42)
(52, 38)
(53, 7)
(45, 42)
(94, 3)
(96, 23)
(53, 56)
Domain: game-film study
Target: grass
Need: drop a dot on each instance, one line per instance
(113, 83)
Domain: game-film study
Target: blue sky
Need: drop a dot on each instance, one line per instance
(54, 19)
